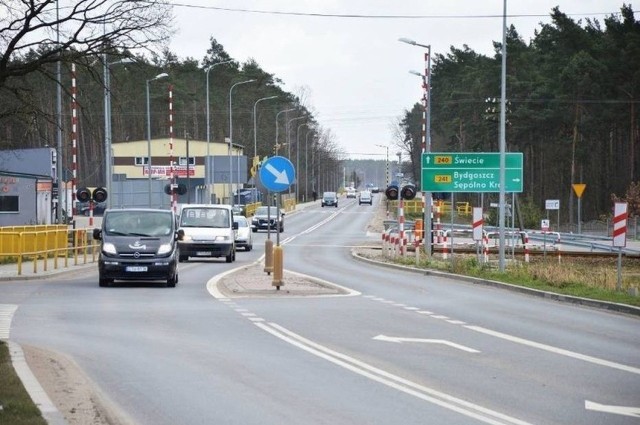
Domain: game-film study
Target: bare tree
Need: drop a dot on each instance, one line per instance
(34, 34)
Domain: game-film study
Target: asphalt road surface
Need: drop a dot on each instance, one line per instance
(403, 348)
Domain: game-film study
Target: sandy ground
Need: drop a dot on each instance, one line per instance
(78, 399)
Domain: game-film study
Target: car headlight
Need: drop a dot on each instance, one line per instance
(221, 238)
(165, 248)
(109, 248)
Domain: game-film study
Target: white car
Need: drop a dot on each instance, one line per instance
(351, 193)
(365, 198)
(244, 239)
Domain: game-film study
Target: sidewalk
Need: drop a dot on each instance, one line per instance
(28, 272)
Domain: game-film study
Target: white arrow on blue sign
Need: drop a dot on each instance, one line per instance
(277, 174)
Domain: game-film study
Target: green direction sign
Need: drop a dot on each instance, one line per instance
(470, 172)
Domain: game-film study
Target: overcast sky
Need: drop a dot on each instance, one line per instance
(353, 70)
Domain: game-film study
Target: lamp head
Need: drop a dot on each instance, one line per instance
(416, 73)
(163, 75)
(407, 40)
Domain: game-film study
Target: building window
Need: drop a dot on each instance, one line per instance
(9, 204)
(142, 160)
(182, 161)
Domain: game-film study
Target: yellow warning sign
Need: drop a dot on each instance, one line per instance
(579, 188)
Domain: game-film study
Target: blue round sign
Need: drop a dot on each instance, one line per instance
(277, 174)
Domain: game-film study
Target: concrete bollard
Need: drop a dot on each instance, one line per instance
(268, 256)
(277, 267)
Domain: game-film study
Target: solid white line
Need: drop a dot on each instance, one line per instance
(556, 350)
(393, 381)
(618, 410)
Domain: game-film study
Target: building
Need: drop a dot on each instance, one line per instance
(130, 183)
(28, 186)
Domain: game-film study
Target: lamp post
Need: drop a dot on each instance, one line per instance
(107, 122)
(277, 115)
(231, 138)
(306, 166)
(289, 135)
(157, 77)
(298, 161)
(255, 124)
(209, 175)
(426, 140)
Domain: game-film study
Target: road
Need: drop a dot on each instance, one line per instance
(407, 349)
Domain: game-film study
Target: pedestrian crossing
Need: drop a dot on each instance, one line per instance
(6, 315)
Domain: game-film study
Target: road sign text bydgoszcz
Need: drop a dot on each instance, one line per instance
(470, 172)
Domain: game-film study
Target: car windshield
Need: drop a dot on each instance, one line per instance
(242, 222)
(265, 211)
(139, 223)
(204, 217)
(329, 195)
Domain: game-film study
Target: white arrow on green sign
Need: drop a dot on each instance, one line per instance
(470, 172)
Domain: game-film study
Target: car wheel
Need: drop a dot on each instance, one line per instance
(103, 282)
(254, 230)
(172, 281)
(229, 258)
(322, 205)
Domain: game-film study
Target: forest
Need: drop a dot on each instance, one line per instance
(572, 93)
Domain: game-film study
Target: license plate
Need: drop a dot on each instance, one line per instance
(203, 254)
(136, 268)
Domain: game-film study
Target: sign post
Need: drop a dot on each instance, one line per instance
(553, 204)
(276, 174)
(579, 188)
(620, 234)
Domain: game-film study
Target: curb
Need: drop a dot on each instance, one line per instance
(49, 411)
(602, 305)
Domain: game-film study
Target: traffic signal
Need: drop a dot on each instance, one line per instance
(83, 194)
(408, 191)
(99, 194)
(392, 192)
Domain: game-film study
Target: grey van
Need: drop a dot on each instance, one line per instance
(138, 244)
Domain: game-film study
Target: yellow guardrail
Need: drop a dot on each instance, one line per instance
(415, 206)
(42, 243)
(250, 209)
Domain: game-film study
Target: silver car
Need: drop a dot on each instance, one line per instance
(244, 239)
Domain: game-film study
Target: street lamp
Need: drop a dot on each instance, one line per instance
(107, 122)
(209, 175)
(306, 166)
(231, 138)
(289, 135)
(255, 126)
(157, 77)
(298, 161)
(277, 115)
(426, 141)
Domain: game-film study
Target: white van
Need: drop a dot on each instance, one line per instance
(205, 231)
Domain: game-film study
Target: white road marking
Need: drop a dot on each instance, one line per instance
(400, 340)
(556, 350)
(406, 386)
(6, 316)
(618, 410)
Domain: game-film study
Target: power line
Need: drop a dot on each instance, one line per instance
(368, 16)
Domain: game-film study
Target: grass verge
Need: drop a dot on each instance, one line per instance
(586, 278)
(16, 407)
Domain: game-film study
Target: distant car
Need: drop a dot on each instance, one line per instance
(365, 198)
(267, 218)
(243, 233)
(375, 189)
(98, 209)
(351, 193)
(330, 199)
(238, 209)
